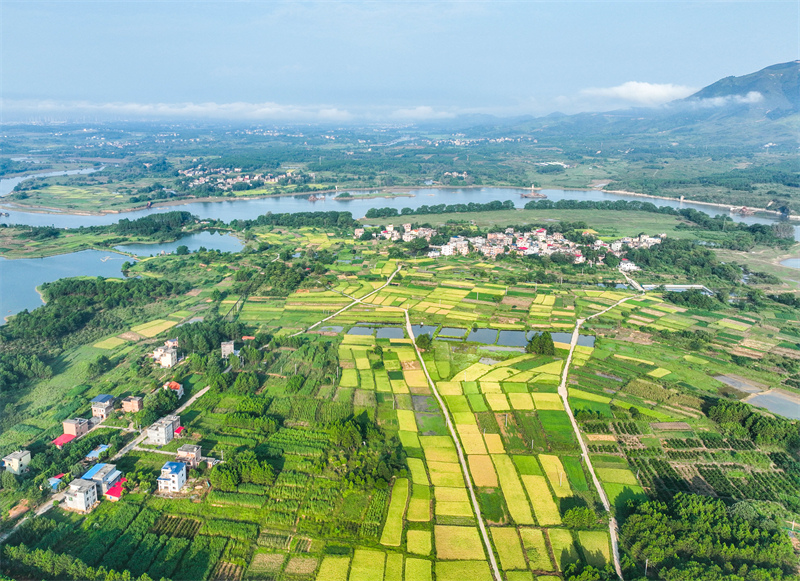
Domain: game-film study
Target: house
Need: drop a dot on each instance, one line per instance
(173, 477)
(174, 386)
(162, 432)
(358, 233)
(17, 462)
(81, 495)
(55, 481)
(76, 427)
(190, 454)
(104, 475)
(227, 349)
(102, 406)
(132, 404)
(168, 358)
(115, 492)
(627, 266)
(63, 439)
(95, 454)
(173, 343)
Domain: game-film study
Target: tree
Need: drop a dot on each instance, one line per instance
(580, 517)
(182, 250)
(424, 342)
(8, 480)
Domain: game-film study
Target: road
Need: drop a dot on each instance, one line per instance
(355, 302)
(48, 504)
(461, 459)
(563, 391)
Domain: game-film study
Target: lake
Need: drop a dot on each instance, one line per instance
(227, 210)
(7, 185)
(791, 262)
(19, 278)
(211, 240)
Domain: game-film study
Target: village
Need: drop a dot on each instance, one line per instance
(98, 479)
(537, 242)
(228, 178)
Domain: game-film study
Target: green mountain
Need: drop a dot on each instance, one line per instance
(749, 112)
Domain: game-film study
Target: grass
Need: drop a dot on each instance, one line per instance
(462, 570)
(333, 569)
(595, 547)
(513, 492)
(110, 343)
(509, 549)
(536, 549)
(457, 543)
(367, 565)
(617, 475)
(544, 507)
(153, 328)
(419, 542)
(393, 529)
(563, 547)
(482, 470)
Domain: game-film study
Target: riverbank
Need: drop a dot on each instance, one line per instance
(38, 209)
(712, 204)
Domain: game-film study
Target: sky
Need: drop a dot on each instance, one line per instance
(379, 61)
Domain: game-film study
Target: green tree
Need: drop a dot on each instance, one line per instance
(424, 342)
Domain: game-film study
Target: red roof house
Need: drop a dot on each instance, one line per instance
(115, 492)
(63, 439)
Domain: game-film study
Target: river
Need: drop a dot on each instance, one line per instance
(7, 185)
(19, 278)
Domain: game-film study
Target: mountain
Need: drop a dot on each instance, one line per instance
(748, 111)
(775, 89)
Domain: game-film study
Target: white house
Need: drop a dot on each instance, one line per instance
(173, 477)
(81, 495)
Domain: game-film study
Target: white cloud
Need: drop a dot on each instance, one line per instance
(641, 93)
(750, 98)
(420, 113)
(237, 110)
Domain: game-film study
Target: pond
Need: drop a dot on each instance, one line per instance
(19, 278)
(390, 333)
(423, 330)
(360, 331)
(451, 332)
(791, 262)
(223, 242)
(485, 336)
(521, 338)
(778, 402)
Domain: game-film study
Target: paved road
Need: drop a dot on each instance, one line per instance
(462, 460)
(355, 302)
(563, 391)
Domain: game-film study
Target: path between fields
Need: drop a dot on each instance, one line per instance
(461, 458)
(355, 302)
(445, 412)
(564, 393)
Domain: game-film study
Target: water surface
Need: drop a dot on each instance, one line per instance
(209, 240)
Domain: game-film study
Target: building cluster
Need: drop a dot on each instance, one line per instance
(102, 408)
(537, 242)
(226, 178)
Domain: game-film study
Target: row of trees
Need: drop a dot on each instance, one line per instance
(740, 420)
(245, 467)
(492, 206)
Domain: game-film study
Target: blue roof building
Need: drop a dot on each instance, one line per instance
(173, 477)
(103, 398)
(95, 454)
(92, 471)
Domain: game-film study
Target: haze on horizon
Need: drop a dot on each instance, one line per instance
(373, 61)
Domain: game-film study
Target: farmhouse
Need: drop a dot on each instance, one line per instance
(163, 431)
(190, 454)
(227, 349)
(81, 495)
(76, 427)
(17, 462)
(132, 404)
(174, 386)
(104, 475)
(173, 477)
(102, 406)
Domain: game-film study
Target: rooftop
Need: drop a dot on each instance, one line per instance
(103, 398)
(18, 455)
(96, 452)
(63, 439)
(94, 470)
(173, 467)
(116, 490)
(81, 484)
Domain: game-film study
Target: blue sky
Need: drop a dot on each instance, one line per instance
(379, 61)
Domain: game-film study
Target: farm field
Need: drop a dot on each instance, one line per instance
(326, 451)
